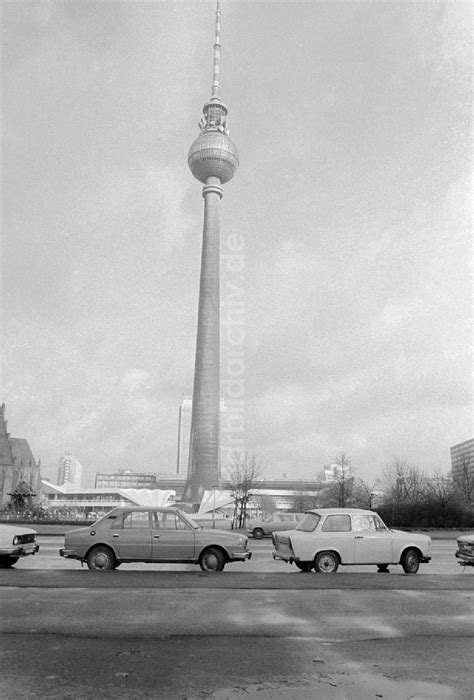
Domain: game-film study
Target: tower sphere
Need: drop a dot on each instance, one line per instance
(213, 154)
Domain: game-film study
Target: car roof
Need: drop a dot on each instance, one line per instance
(339, 511)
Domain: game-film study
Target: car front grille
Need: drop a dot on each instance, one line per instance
(26, 539)
(466, 547)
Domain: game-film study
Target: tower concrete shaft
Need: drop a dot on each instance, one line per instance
(204, 453)
(212, 159)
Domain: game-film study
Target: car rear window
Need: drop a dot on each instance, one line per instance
(309, 522)
(337, 523)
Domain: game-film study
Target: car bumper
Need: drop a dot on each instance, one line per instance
(69, 554)
(464, 559)
(289, 558)
(23, 550)
(241, 556)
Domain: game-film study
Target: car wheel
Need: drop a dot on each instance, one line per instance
(212, 559)
(326, 563)
(258, 533)
(382, 568)
(304, 566)
(7, 562)
(101, 559)
(410, 561)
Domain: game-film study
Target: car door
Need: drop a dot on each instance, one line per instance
(131, 535)
(335, 533)
(172, 537)
(372, 540)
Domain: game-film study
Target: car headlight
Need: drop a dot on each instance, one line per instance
(16, 540)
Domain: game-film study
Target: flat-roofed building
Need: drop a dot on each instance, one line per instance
(126, 479)
(68, 501)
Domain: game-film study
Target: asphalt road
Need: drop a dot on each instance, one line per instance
(257, 630)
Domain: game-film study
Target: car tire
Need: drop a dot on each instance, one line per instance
(304, 566)
(326, 563)
(7, 562)
(382, 568)
(101, 559)
(258, 533)
(410, 561)
(212, 559)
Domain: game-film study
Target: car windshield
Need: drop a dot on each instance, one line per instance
(192, 523)
(104, 516)
(309, 522)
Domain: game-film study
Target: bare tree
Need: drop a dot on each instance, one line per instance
(404, 488)
(339, 491)
(365, 492)
(244, 470)
(303, 500)
(404, 482)
(441, 492)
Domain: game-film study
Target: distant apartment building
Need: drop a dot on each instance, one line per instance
(70, 470)
(332, 472)
(126, 479)
(462, 461)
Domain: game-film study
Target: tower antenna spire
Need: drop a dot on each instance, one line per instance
(216, 82)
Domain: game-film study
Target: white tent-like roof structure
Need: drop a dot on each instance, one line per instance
(212, 500)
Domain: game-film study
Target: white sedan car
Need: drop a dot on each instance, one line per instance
(465, 551)
(327, 538)
(16, 542)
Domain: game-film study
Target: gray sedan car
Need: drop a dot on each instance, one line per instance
(152, 535)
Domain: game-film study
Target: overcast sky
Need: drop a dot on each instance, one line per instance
(353, 200)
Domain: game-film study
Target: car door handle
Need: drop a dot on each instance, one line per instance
(114, 535)
(156, 537)
(359, 537)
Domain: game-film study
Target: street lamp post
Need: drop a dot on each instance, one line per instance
(214, 509)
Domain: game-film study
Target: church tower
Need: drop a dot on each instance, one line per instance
(213, 160)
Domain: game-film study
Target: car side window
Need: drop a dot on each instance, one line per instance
(337, 523)
(363, 522)
(168, 521)
(182, 524)
(136, 519)
(379, 523)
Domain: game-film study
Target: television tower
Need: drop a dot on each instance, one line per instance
(213, 160)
